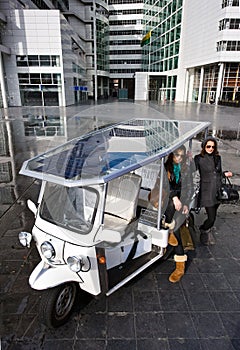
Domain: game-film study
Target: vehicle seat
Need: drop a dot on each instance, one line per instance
(121, 202)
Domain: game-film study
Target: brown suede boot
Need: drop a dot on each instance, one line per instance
(179, 271)
(207, 237)
(172, 240)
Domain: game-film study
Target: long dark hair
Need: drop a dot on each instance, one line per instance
(169, 162)
(215, 151)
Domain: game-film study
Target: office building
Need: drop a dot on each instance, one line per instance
(125, 53)
(62, 52)
(53, 53)
(193, 54)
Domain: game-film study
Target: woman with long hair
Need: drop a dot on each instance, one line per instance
(180, 191)
(209, 164)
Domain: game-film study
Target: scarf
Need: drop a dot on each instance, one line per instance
(176, 171)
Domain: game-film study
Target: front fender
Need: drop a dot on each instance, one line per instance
(45, 276)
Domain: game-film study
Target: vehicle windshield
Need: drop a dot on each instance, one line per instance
(72, 208)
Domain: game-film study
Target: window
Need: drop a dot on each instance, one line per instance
(46, 78)
(226, 3)
(229, 23)
(23, 78)
(34, 60)
(41, 78)
(45, 61)
(22, 61)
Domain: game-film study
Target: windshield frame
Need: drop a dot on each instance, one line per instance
(59, 192)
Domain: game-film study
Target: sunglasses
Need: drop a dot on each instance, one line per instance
(210, 146)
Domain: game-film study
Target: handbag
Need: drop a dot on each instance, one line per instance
(227, 193)
(186, 237)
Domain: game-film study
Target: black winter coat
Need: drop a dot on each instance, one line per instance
(210, 171)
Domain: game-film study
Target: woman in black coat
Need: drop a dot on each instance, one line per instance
(209, 165)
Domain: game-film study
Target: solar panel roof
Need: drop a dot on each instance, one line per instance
(107, 153)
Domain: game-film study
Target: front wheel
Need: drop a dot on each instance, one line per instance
(57, 304)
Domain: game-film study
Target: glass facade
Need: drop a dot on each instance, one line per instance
(102, 38)
(39, 89)
(38, 60)
(163, 19)
(230, 84)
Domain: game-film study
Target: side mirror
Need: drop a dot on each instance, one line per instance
(32, 206)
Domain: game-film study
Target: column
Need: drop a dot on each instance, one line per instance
(2, 83)
(201, 85)
(219, 83)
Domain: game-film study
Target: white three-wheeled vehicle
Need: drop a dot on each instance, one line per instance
(95, 228)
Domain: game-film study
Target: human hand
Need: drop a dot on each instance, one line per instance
(228, 174)
(185, 210)
(177, 203)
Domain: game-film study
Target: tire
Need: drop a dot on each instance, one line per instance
(57, 304)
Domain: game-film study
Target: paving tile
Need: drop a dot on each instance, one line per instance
(229, 265)
(164, 284)
(146, 301)
(185, 344)
(152, 344)
(225, 301)
(179, 325)
(120, 326)
(218, 344)
(145, 281)
(193, 282)
(215, 281)
(150, 325)
(27, 344)
(207, 265)
(235, 344)
(231, 322)
(92, 326)
(199, 301)
(120, 301)
(173, 301)
(59, 345)
(88, 304)
(208, 325)
(120, 344)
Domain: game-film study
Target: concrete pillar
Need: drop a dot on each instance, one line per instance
(190, 85)
(201, 85)
(219, 83)
(2, 83)
(186, 88)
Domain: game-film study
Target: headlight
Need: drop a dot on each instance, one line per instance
(79, 263)
(48, 250)
(25, 238)
(75, 263)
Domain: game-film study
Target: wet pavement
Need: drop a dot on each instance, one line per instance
(202, 312)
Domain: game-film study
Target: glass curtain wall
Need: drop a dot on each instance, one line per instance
(231, 84)
(230, 92)
(162, 18)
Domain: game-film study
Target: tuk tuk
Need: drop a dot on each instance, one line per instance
(95, 229)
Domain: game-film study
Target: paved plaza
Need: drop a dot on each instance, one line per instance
(202, 312)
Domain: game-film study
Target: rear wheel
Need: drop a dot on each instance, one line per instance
(57, 304)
